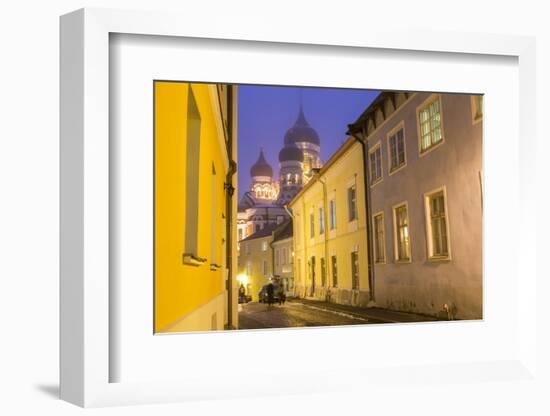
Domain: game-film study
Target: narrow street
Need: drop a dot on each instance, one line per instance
(307, 313)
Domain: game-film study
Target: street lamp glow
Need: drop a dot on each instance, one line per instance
(243, 279)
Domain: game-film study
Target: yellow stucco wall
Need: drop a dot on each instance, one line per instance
(345, 238)
(181, 289)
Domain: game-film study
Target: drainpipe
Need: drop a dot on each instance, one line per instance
(326, 229)
(230, 190)
(370, 249)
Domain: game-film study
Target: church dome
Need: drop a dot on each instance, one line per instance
(261, 167)
(291, 153)
(301, 131)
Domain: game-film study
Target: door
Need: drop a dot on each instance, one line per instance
(312, 276)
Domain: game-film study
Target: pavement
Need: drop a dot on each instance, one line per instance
(307, 313)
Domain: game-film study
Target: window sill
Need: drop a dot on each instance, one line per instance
(401, 167)
(192, 260)
(431, 148)
(407, 261)
(439, 259)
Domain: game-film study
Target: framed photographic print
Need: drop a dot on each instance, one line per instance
(289, 209)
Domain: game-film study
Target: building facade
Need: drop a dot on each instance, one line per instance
(330, 235)
(195, 258)
(283, 256)
(255, 265)
(424, 169)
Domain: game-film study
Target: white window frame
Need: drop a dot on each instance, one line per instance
(332, 214)
(376, 148)
(428, 101)
(427, 216)
(377, 214)
(393, 132)
(395, 239)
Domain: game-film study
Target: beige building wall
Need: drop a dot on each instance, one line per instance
(255, 264)
(283, 263)
(343, 171)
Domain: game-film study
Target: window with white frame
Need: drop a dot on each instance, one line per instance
(352, 203)
(396, 144)
(321, 220)
(332, 208)
(379, 239)
(264, 245)
(402, 238)
(436, 222)
(429, 119)
(375, 159)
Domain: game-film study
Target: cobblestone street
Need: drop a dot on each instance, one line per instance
(307, 313)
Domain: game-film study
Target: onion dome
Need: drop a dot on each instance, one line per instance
(301, 131)
(291, 153)
(261, 167)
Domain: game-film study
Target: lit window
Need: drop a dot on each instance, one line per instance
(334, 271)
(436, 221)
(379, 240)
(332, 206)
(321, 220)
(323, 272)
(352, 203)
(429, 118)
(264, 245)
(375, 165)
(397, 150)
(477, 107)
(354, 270)
(402, 240)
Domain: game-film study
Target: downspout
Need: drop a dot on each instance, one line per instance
(326, 231)
(370, 249)
(230, 190)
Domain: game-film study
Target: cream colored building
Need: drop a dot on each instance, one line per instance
(330, 236)
(255, 264)
(283, 256)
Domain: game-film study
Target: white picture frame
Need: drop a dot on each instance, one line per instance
(85, 166)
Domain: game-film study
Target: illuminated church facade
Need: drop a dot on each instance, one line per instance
(264, 204)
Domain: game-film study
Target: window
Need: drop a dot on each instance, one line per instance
(323, 272)
(354, 270)
(332, 208)
(429, 118)
(402, 240)
(247, 248)
(352, 203)
(321, 220)
(214, 225)
(311, 225)
(240, 234)
(264, 245)
(248, 268)
(334, 266)
(277, 257)
(280, 219)
(192, 152)
(477, 107)
(436, 221)
(397, 150)
(375, 157)
(265, 267)
(379, 240)
(256, 228)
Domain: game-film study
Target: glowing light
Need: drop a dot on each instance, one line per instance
(243, 279)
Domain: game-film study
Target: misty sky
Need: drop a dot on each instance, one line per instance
(266, 113)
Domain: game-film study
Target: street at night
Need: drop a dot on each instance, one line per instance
(302, 313)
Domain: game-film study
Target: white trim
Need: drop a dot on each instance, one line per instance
(432, 98)
(393, 132)
(395, 243)
(215, 103)
(428, 226)
(376, 214)
(373, 149)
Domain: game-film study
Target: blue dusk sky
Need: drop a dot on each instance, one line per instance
(266, 113)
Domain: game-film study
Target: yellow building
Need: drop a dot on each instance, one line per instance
(330, 235)
(256, 260)
(195, 144)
